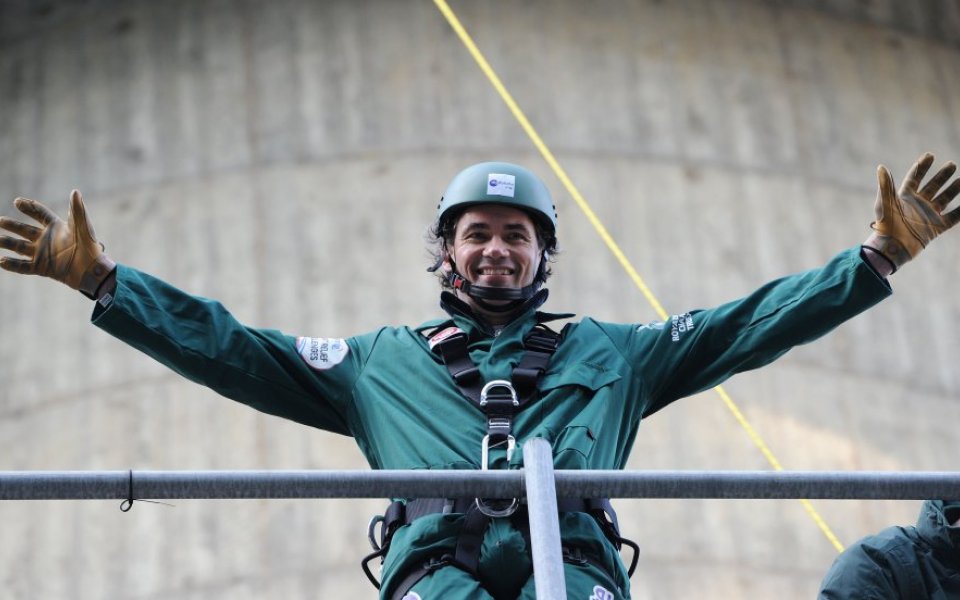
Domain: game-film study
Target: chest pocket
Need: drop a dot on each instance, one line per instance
(569, 393)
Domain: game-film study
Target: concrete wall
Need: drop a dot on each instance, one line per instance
(285, 158)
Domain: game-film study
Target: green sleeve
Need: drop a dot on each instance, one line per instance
(199, 339)
(882, 566)
(695, 351)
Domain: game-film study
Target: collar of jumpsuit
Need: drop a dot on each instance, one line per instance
(494, 246)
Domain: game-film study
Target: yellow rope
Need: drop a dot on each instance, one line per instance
(611, 244)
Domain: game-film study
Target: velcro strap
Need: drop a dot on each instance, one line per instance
(94, 275)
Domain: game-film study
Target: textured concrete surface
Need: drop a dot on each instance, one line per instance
(286, 157)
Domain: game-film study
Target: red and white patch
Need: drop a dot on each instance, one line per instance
(322, 353)
(443, 334)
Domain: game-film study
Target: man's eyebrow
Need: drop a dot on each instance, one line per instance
(476, 225)
(517, 226)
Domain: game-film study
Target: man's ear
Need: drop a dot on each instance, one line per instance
(446, 262)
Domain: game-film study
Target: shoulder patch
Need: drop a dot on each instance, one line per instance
(656, 326)
(442, 335)
(601, 593)
(322, 353)
(679, 325)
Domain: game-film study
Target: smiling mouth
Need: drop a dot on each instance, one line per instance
(495, 271)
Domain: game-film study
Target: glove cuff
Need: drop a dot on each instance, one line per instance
(889, 248)
(95, 275)
(869, 252)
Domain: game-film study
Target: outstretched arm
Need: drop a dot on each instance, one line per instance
(67, 251)
(909, 219)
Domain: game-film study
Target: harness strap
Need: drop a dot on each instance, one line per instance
(602, 512)
(467, 553)
(499, 400)
(456, 357)
(539, 346)
(414, 577)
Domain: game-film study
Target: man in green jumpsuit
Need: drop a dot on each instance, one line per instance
(465, 391)
(921, 562)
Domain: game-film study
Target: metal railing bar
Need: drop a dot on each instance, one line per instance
(91, 485)
(543, 518)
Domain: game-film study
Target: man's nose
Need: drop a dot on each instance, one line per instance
(495, 248)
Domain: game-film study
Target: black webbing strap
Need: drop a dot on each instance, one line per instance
(456, 357)
(539, 346)
(469, 541)
(414, 576)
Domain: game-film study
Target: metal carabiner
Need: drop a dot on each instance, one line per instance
(481, 503)
(485, 450)
(500, 425)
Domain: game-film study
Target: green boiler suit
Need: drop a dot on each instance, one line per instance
(395, 397)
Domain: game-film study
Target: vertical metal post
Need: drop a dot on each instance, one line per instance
(544, 520)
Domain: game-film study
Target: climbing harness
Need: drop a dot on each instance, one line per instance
(499, 400)
(466, 555)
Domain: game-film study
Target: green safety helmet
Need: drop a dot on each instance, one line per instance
(500, 183)
(508, 185)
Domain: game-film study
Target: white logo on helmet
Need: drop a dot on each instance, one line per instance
(500, 184)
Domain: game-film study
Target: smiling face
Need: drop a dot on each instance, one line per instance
(495, 246)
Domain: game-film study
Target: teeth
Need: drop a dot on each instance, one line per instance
(494, 271)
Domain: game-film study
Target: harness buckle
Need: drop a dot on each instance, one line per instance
(492, 391)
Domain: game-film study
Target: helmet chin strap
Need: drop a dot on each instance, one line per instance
(482, 293)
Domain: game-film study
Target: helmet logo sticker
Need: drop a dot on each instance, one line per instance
(500, 184)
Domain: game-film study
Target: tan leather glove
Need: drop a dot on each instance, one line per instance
(910, 219)
(67, 251)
